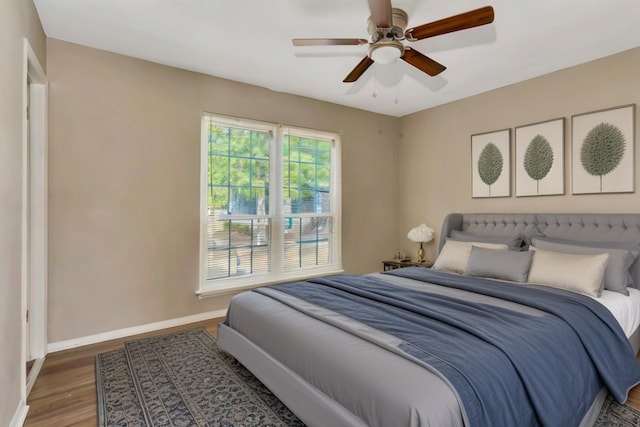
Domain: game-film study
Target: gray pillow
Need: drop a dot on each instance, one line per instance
(454, 255)
(513, 242)
(496, 264)
(616, 276)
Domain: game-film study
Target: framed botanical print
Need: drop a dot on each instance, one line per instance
(602, 151)
(539, 153)
(491, 164)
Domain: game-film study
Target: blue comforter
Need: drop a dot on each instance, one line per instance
(507, 368)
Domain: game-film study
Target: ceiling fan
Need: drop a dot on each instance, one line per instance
(386, 26)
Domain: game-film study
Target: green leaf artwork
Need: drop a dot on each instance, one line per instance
(490, 164)
(602, 150)
(538, 159)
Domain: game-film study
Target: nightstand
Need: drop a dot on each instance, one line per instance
(399, 263)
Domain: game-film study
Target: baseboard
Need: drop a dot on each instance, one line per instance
(121, 333)
(33, 373)
(20, 415)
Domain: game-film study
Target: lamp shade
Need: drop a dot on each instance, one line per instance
(421, 234)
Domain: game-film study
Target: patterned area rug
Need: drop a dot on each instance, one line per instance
(613, 414)
(183, 379)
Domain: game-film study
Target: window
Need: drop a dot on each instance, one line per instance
(270, 204)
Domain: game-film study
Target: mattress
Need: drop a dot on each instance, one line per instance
(626, 309)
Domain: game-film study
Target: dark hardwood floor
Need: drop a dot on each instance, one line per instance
(65, 392)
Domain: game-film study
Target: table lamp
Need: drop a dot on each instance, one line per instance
(421, 234)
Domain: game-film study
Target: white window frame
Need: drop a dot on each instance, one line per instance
(212, 287)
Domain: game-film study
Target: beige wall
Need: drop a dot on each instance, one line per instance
(124, 147)
(434, 152)
(18, 20)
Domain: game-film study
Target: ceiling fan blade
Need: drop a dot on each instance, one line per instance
(381, 13)
(359, 70)
(329, 42)
(422, 62)
(473, 18)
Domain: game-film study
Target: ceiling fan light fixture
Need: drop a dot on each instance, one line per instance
(386, 28)
(386, 53)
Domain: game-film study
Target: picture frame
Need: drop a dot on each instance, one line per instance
(539, 158)
(491, 164)
(603, 151)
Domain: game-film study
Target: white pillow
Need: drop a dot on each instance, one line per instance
(454, 255)
(572, 272)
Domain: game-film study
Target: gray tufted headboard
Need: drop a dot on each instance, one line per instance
(621, 228)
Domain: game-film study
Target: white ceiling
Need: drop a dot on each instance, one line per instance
(250, 41)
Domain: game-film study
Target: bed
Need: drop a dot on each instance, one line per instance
(419, 350)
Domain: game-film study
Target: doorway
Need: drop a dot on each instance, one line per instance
(34, 218)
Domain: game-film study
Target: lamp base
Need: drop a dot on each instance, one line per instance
(421, 254)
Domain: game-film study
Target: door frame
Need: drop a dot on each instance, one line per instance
(34, 216)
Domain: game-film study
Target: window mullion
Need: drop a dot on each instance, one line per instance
(275, 201)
